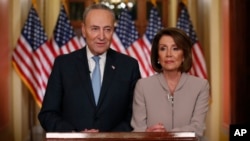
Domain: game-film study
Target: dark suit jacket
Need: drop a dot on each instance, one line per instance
(69, 104)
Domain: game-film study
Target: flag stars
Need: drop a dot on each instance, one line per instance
(33, 30)
(154, 24)
(184, 23)
(126, 30)
(63, 31)
(35, 64)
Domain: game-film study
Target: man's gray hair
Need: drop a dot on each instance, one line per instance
(97, 6)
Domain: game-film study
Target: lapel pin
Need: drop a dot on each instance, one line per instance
(113, 67)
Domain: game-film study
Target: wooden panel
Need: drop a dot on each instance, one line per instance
(4, 65)
(141, 22)
(239, 58)
(226, 64)
(141, 15)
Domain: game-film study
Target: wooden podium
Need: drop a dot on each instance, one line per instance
(122, 136)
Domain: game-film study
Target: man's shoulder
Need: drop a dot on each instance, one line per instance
(75, 53)
(122, 56)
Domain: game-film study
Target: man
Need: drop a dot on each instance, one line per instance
(69, 103)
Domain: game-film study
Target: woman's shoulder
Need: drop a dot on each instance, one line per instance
(194, 78)
(196, 81)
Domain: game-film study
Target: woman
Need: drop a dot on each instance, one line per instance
(171, 100)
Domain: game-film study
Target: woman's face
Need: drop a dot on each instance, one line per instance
(170, 56)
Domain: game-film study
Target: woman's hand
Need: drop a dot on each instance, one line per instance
(156, 128)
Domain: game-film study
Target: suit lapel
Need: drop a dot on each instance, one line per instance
(84, 72)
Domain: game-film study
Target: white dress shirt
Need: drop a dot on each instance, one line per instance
(91, 62)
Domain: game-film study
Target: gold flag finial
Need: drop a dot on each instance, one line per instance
(185, 2)
(96, 1)
(34, 3)
(64, 3)
(154, 3)
(126, 1)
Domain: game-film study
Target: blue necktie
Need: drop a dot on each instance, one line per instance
(96, 78)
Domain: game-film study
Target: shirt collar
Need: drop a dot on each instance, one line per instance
(90, 54)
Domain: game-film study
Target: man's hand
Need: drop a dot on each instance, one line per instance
(90, 130)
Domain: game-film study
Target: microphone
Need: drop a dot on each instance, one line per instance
(171, 98)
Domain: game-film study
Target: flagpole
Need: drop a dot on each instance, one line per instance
(31, 105)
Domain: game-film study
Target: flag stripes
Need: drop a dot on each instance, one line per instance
(184, 23)
(34, 54)
(27, 56)
(154, 25)
(126, 40)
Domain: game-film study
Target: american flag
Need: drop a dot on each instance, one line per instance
(154, 25)
(199, 65)
(30, 58)
(126, 40)
(34, 55)
(64, 39)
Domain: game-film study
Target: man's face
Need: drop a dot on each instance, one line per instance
(98, 29)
